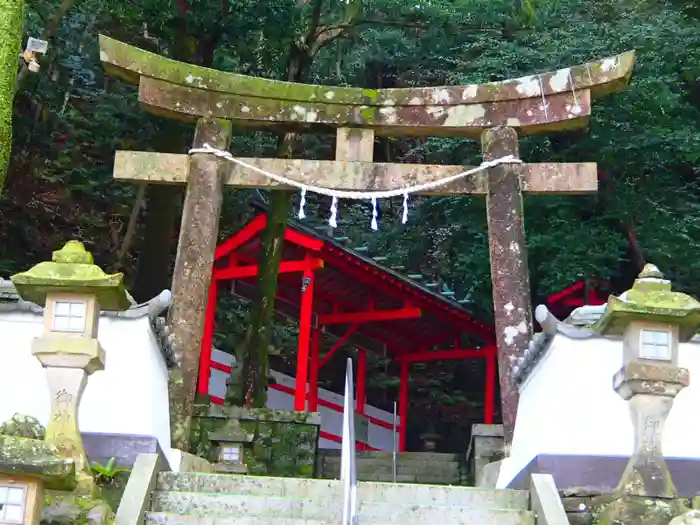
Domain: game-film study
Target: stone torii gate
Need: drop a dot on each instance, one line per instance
(496, 113)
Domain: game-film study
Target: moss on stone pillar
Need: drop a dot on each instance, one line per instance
(11, 18)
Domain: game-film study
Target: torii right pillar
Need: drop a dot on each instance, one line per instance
(512, 304)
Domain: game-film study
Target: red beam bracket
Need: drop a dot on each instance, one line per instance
(240, 272)
(368, 317)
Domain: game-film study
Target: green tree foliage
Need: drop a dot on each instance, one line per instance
(69, 119)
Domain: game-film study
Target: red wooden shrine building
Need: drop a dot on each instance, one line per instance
(337, 292)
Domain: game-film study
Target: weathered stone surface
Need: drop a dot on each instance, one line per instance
(649, 388)
(651, 298)
(192, 274)
(354, 144)
(169, 168)
(632, 510)
(279, 442)
(692, 517)
(64, 508)
(602, 77)
(509, 269)
(486, 446)
(32, 457)
(264, 414)
(658, 379)
(66, 386)
(329, 511)
(529, 116)
(71, 270)
(22, 426)
(11, 24)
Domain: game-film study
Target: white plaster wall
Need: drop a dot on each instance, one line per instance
(331, 420)
(568, 406)
(130, 396)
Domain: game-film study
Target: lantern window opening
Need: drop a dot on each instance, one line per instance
(656, 344)
(12, 503)
(230, 453)
(69, 316)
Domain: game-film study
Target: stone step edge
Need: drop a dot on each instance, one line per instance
(326, 481)
(371, 461)
(247, 519)
(229, 495)
(266, 519)
(400, 456)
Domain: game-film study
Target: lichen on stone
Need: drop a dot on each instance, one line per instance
(651, 298)
(278, 442)
(615, 509)
(23, 426)
(71, 270)
(36, 458)
(66, 508)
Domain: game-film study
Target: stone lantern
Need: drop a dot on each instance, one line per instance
(72, 290)
(652, 320)
(230, 442)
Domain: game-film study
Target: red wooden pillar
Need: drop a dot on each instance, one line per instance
(403, 406)
(207, 340)
(490, 389)
(313, 372)
(361, 380)
(307, 298)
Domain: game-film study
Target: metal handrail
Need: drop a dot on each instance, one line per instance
(394, 447)
(348, 473)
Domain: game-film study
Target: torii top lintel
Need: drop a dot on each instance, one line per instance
(546, 102)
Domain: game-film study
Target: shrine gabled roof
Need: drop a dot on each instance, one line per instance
(353, 281)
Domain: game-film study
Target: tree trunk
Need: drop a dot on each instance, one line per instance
(11, 21)
(250, 388)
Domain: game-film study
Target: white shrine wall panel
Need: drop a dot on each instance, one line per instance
(568, 406)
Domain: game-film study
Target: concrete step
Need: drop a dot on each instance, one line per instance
(409, 480)
(328, 509)
(332, 489)
(409, 467)
(493, 518)
(429, 457)
(166, 518)
(400, 478)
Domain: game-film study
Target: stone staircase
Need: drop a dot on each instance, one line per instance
(220, 499)
(411, 467)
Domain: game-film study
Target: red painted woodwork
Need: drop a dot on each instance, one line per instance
(403, 406)
(207, 340)
(402, 318)
(361, 381)
(490, 388)
(337, 345)
(241, 272)
(369, 316)
(307, 301)
(314, 365)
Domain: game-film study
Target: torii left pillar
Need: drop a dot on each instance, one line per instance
(193, 270)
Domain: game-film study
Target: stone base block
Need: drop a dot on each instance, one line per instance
(636, 510)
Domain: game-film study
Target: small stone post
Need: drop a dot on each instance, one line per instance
(72, 290)
(652, 320)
